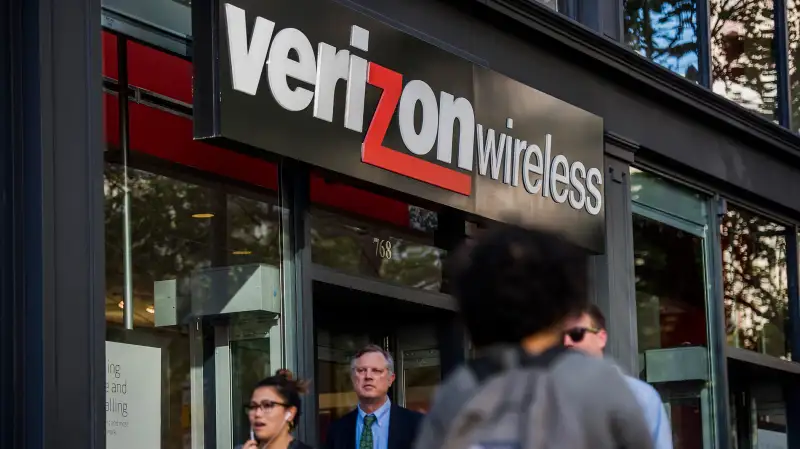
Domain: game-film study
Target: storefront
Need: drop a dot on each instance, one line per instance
(248, 185)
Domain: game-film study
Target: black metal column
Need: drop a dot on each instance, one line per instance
(716, 324)
(9, 407)
(704, 43)
(297, 287)
(792, 389)
(782, 63)
(51, 225)
(611, 274)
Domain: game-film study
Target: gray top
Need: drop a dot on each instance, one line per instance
(580, 403)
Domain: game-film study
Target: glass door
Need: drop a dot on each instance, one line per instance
(255, 352)
(334, 349)
(673, 287)
(346, 320)
(229, 354)
(671, 294)
(419, 369)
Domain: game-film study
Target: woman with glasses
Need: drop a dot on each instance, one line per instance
(273, 412)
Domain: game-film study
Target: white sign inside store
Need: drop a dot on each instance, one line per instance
(133, 396)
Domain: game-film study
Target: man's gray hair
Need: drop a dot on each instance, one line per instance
(373, 349)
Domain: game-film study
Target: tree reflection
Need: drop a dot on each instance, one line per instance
(742, 51)
(414, 265)
(756, 288)
(169, 241)
(664, 31)
(350, 247)
(742, 45)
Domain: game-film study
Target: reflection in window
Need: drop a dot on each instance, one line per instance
(793, 12)
(359, 232)
(669, 313)
(756, 285)
(743, 54)
(162, 244)
(359, 248)
(178, 228)
(665, 32)
(166, 241)
(253, 234)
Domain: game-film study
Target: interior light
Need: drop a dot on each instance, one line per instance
(150, 309)
(121, 304)
(243, 252)
(206, 215)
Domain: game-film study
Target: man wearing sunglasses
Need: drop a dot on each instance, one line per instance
(587, 332)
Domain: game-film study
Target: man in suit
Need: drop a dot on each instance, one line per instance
(376, 423)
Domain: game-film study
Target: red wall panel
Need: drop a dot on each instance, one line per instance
(170, 137)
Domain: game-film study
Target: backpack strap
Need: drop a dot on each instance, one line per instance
(498, 359)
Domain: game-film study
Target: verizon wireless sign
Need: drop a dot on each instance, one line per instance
(345, 92)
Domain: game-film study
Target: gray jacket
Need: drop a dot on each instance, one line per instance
(580, 403)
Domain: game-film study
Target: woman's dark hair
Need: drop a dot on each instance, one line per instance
(511, 283)
(287, 388)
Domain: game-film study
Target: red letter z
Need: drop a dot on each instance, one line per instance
(374, 153)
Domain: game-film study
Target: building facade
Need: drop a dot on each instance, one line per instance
(196, 194)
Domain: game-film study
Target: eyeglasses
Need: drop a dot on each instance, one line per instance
(264, 406)
(576, 334)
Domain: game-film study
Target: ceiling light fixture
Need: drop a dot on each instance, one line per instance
(150, 309)
(243, 252)
(121, 304)
(205, 215)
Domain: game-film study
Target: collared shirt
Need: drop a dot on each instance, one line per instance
(380, 428)
(654, 412)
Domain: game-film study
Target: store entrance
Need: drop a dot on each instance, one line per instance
(417, 336)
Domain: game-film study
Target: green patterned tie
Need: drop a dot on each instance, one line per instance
(366, 434)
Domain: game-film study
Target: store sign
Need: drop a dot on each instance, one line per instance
(133, 396)
(348, 93)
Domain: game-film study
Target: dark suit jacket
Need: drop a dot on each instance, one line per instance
(403, 426)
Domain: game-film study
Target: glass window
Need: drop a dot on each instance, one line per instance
(743, 54)
(758, 399)
(756, 285)
(187, 227)
(177, 231)
(666, 33)
(362, 233)
(793, 7)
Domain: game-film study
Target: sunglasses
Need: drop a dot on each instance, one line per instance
(576, 334)
(264, 406)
